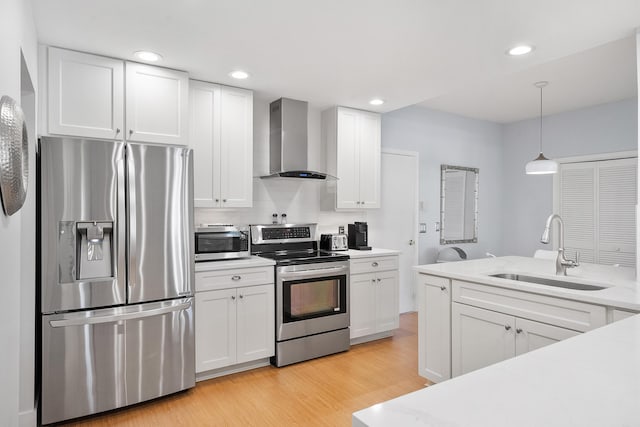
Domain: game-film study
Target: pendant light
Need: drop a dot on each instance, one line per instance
(541, 165)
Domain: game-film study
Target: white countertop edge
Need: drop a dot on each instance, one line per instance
(374, 252)
(622, 290)
(253, 261)
(592, 379)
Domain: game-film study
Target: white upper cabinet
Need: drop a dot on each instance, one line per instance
(157, 104)
(85, 96)
(221, 135)
(353, 156)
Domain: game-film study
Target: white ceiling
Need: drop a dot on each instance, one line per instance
(449, 53)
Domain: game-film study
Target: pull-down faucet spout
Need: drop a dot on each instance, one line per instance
(561, 262)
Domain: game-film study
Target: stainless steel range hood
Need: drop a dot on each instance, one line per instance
(288, 141)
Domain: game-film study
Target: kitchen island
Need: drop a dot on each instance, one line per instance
(592, 378)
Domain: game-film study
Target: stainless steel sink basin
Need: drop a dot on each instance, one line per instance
(548, 282)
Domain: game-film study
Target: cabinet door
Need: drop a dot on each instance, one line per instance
(362, 302)
(479, 338)
(215, 319)
(157, 104)
(236, 152)
(256, 323)
(387, 309)
(348, 161)
(369, 153)
(434, 327)
(204, 139)
(86, 95)
(532, 335)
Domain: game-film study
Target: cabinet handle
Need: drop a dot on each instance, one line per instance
(233, 297)
(518, 330)
(374, 264)
(357, 203)
(443, 288)
(362, 203)
(507, 327)
(379, 280)
(217, 200)
(224, 200)
(236, 278)
(373, 280)
(241, 296)
(130, 132)
(117, 131)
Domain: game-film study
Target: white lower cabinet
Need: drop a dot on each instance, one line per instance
(234, 317)
(374, 296)
(434, 324)
(482, 337)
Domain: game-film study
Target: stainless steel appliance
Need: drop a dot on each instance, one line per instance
(333, 242)
(312, 292)
(359, 236)
(288, 141)
(221, 241)
(116, 280)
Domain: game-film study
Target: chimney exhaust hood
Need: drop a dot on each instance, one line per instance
(288, 141)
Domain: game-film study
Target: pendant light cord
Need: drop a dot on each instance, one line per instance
(540, 119)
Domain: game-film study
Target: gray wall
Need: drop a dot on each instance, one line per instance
(513, 206)
(17, 243)
(442, 138)
(528, 199)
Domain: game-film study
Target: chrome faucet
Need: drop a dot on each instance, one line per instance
(561, 262)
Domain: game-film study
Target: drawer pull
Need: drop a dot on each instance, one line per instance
(379, 280)
(507, 327)
(374, 264)
(443, 288)
(518, 330)
(241, 296)
(236, 278)
(233, 297)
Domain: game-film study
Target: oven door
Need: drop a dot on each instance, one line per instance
(311, 299)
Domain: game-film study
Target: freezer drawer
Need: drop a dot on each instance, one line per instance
(98, 360)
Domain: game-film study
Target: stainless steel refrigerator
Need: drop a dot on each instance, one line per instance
(116, 276)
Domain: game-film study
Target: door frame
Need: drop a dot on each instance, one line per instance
(416, 211)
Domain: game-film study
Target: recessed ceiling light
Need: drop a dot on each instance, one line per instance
(522, 49)
(239, 74)
(145, 55)
(376, 101)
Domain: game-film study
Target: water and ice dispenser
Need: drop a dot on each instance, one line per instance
(86, 250)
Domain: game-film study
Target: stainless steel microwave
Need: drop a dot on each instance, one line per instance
(218, 241)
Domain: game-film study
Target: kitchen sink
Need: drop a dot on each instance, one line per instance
(548, 282)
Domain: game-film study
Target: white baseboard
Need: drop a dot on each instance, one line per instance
(28, 418)
(227, 370)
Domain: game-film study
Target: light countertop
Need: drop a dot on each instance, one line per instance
(592, 379)
(253, 261)
(374, 252)
(622, 289)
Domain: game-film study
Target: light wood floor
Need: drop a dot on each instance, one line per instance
(322, 392)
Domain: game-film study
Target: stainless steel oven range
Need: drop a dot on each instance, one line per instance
(312, 292)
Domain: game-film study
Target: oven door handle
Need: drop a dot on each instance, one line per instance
(316, 272)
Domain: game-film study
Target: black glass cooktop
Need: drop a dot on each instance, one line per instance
(304, 257)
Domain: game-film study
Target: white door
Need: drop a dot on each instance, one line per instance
(157, 104)
(256, 323)
(369, 149)
(394, 225)
(434, 326)
(479, 338)
(387, 315)
(236, 148)
(362, 303)
(204, 139)
(86, 95)
(348, 160)
(215, 319)
(532, 335)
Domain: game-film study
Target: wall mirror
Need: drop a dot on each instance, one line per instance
(458, 204)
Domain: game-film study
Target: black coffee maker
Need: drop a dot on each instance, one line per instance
(358, 236)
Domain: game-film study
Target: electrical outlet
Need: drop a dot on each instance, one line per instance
(423, 227)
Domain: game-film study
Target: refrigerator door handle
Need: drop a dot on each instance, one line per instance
(118, 317)
(132, 249)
